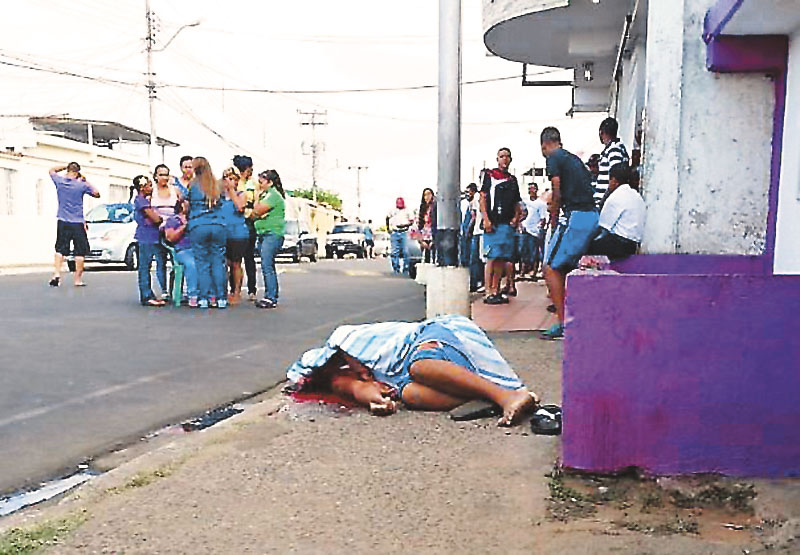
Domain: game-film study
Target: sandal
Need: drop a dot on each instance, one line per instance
(153, 302)
(547, 421)
(54, 282)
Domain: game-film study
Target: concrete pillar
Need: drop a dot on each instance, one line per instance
(447, 284)
(446, 291)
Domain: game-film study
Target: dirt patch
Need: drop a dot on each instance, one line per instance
(709, 507)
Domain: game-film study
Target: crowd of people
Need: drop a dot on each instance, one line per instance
(210, 226)
(590, 208)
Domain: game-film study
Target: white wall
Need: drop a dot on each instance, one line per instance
(707, 142)
(787, 240)
(28, 226)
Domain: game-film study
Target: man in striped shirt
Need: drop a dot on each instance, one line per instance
(613, 153)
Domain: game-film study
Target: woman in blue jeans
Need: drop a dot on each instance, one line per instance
(147, 222)
(207, 234)
(269, 215)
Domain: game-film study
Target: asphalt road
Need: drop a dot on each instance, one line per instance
(85, 370)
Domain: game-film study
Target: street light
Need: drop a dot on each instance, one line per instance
(172, 38)
(151, 85)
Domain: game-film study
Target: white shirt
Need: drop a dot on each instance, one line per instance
(537, 211)
(476, 206)
(623, 214)
(400, 218)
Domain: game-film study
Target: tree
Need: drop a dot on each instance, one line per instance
(323, 196)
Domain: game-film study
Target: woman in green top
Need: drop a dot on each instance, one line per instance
(269, 222)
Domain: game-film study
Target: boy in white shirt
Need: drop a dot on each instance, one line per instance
(621, 217)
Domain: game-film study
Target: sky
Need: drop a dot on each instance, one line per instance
(288, 48)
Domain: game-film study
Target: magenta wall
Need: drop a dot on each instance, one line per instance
(683, 373)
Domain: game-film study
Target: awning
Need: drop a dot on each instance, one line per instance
(584, 35)
(752, 17)
(104, 133)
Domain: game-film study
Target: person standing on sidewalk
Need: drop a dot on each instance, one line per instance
(71, 226)
(614, 153)
(534, 226)
(501, 211)
(573, 196)
(270, 224)
(207, 235)
(248, 186)
(476, 259)
(397, 222)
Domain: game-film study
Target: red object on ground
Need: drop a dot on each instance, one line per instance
(321, 397)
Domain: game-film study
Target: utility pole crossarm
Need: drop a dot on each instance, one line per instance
(311, 118)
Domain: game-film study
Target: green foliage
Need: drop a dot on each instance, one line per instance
(323, 196)
(36, 538)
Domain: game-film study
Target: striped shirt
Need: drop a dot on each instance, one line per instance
(614, 153)
(383, 347)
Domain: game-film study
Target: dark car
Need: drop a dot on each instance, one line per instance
(346, 238)
(413, 256)
(298, 242)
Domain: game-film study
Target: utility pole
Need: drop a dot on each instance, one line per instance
(312, 118)
(447, 284)
(150, 40)
(358, 185)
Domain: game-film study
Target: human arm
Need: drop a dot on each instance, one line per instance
(237, 197)
(143, 204)
(261, 206)
(487, 223)
(90, 189)
(56, 169)
(555, 202)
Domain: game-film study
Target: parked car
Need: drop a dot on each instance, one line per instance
(383, 245)
(298, 241)
(346, 238)
(110, 229)
(413, 256)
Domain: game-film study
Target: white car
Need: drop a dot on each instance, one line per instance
(110, 231)
(383, 244)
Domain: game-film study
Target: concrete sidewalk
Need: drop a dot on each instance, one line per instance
(286, 477)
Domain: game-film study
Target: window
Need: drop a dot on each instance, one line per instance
(7, 192)
(40, 185)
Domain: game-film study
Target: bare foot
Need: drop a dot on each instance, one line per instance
(384, 408)
(516, 405)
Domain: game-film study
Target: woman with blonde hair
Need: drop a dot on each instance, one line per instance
(207, 234)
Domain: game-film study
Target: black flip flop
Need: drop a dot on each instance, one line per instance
(473, 410)
(54, 282)
(547, 420)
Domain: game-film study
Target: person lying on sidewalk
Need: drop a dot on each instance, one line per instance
(434, 365)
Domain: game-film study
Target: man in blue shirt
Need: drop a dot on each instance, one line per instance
(573, 196)
(71, 227)
(369, 238)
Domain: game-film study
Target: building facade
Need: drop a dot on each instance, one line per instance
(29, 147)
(698, 370)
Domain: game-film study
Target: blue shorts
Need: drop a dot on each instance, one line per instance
(571, 241)
(500, 243)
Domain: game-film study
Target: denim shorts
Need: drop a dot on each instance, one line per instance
(500, 243)
(571, 241)
(441, 351)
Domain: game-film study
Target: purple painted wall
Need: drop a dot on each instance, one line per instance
(683, 374)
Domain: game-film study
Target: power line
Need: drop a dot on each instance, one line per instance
(336, 91)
